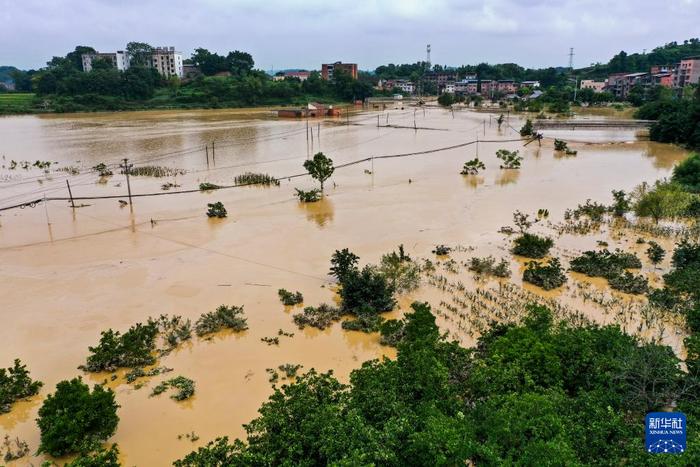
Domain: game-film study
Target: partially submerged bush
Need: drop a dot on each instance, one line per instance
(319, 317)
(216, 210)
(366, 289)
(15, 385)
(560, 145)
(401, 271)
(175, 330)
(102, 170)
(290, 299)
(310, 196)
(133, 348)
(155, 171)
(367, 321)
(593, 210)
(73, 417)
(532, 246)
(526, 129)
(206, 186)
(184, 386)
(472, 167)
(629, 283)
(549, 275)
(511, 159)
(442, 250)
(604, 263)
(224, 317)
(487, 266)
(250, 178)
(14, 449)
(97, 457)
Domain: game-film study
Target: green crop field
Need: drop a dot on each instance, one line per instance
(16, 102)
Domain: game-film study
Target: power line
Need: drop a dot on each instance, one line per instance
(34, 202)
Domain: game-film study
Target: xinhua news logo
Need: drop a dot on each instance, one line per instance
(665, 433)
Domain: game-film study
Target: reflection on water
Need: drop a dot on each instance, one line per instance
(321, 212)
(473, 181)
(507, 176)
(664, 156)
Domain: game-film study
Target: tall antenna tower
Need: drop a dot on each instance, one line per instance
(427, 49)
(571, 58)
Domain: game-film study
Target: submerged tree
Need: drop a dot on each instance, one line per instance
(320, 167)
(500, 121)
(526, 129)
(511, 159)
(342, 262)
(472, 167)
(216, 210)
(16, 384)
(73, 417)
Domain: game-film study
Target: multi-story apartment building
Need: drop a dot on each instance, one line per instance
(440, 79)
(404, 85)
(507, 86)
(687, 72)
(467, 86)
(167, 62)
(118, 59)
(619, 84)
(328, 69)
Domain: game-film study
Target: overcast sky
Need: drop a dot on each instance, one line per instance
(306, 33)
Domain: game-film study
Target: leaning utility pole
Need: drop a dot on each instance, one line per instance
(126, 167)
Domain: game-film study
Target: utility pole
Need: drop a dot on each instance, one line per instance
(206, 148)
(46, 211)
(213, 154)
(571, 59)
(72, 204)
(126, 166)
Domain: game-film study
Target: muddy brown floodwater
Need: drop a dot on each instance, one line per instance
(102, 266)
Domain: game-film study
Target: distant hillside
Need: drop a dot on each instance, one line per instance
(5, 73)
(668, 54)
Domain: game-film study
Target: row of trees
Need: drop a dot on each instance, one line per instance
(64, 85)
(678, 119)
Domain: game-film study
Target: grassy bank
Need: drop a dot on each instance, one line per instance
(16, 102)
(29, 103)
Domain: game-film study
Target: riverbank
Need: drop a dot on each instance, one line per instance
(29, 103)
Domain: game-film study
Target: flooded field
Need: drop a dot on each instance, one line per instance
(67, 274)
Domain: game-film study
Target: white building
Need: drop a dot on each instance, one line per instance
(167, 62)
(531, 84)
(406, 86)
(118, 59)
(450, 87)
